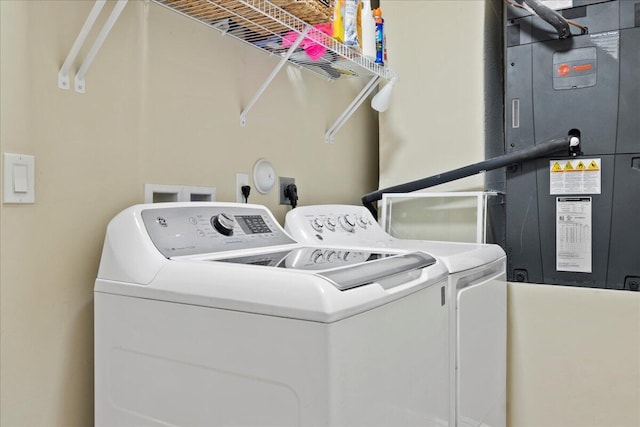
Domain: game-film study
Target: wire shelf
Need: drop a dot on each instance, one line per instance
(269, 25)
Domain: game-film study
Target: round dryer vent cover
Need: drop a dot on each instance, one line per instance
(264, 177)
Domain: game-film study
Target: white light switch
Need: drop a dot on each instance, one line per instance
(19, 178)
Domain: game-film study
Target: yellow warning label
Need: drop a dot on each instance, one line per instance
(574, 176)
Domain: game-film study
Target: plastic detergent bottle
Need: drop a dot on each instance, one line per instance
(368, 42)
(350, 23)
(359, 22)
(338, 20)
(377, 16)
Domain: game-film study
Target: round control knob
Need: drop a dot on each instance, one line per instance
(317, 256)
(331, 256)
(316, 224)
(330, 223)
(347, 223)
(363, 222)
(223, 223)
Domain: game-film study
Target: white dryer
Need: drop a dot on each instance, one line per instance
(209, 314)
(477, 296)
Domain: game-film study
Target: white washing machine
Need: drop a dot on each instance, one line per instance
(209, 314)
(477, 296)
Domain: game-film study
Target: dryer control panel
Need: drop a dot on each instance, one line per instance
(335, 224)
(192, 230)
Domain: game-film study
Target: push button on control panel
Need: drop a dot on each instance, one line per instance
(256, 225)
(363, 222)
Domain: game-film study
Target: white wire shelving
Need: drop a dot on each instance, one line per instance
(264, 25)
(280, 28)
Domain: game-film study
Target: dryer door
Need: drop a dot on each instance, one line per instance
(481, 315)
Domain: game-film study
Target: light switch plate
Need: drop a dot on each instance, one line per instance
(19, 178)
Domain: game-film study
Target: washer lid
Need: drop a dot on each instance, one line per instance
(312, 295)
(345, 269)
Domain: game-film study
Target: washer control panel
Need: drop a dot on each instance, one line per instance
(192, 230)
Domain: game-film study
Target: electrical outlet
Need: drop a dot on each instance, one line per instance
(241, 179)
(282, 183)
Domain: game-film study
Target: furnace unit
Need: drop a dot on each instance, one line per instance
(574, 220)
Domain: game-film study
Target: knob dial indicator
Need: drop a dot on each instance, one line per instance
(223, 223)
(330, 223)
(317, 224)
(347, 223)
(317, 256)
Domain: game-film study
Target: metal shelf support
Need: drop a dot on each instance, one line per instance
(115, 14)
(63, 74)
(267, 82)
(348, 112)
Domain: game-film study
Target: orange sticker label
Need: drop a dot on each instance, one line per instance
(585, 67)
(564, 69)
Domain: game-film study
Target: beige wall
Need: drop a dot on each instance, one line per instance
(574, 357)
(162, 106)
(436, 119)
(574, 353)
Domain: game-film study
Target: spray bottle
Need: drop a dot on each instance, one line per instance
(368, 41)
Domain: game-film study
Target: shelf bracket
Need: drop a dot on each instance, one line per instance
(223, 26)
(63, 74)
(358, 100)
(115, 13)
(285, 58)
